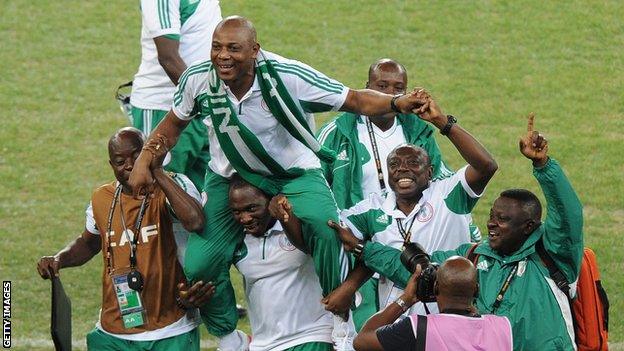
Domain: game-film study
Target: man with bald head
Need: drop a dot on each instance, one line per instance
(514, 280)
(258, 107)
(458, 326)
(433, 213)
(142, 255)
(362, 144)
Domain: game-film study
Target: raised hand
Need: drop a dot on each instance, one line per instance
(349, 241)
(141, 180)
(280, 208)
(157, 146)
(533, 145)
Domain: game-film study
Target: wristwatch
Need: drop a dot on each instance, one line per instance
(447, 128)
(358, 249)
(399, 301)
(393, 105)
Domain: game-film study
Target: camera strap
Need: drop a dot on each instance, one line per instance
(505, 287)
(405, 234)
(371, 135)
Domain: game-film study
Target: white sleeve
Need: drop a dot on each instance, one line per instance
(315, 91)
(160, 17)
(185, 183)
(90, 220)
(186, 92)
(446, 185)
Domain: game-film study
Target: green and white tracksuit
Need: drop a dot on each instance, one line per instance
(439, 221)
(274, 147)
(353, 175)
(283, 293)
(347, 136)
(191, 23)
(538, 311)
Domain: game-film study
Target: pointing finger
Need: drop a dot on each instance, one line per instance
(531, 122)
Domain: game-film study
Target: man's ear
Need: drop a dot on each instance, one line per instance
(430, 172)
(256, 48)
(530, 226)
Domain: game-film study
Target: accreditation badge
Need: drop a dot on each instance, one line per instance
(130, 304)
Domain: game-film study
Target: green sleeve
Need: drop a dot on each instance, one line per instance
(441, 256)
(326, 138)
(386, 261)
(563, 227)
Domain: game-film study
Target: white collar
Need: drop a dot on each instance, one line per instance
(277, 227)
(389, 205)
(254, 87)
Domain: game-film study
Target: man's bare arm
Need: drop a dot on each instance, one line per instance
(482, 165)
(373, 103)
(169, 57)
(76, 253)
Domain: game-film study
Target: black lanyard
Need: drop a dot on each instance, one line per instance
(135, 237)
(503, 290)
(371, 135)
(405, 234)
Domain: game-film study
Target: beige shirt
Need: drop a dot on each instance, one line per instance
(156, 258)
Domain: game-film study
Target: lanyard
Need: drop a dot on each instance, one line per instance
(135, 237)
(503, 290)
(405, 234)
(371, 135)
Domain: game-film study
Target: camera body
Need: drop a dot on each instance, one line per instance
(413, 255)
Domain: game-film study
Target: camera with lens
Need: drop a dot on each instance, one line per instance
(413, 255)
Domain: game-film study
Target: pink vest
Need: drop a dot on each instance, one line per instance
(456, 332)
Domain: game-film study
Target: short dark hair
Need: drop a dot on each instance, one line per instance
(237, 182)
(529, 202)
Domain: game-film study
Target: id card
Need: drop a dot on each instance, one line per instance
(130, 305)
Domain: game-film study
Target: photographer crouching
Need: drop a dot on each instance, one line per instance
(458, 326)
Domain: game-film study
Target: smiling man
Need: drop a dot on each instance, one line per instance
(513, 280)
(434, 214)
(258, 109)
(277, 275)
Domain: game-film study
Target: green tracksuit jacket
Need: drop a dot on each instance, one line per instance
(538, 311)
(345, 174)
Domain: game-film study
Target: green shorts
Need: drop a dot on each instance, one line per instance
(97, 340)
(312, 346)
(191, 154)
(209, 255)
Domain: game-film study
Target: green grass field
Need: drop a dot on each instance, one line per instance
(487, 62)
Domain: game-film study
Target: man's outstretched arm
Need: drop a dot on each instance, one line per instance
(481, 165)
(563, 227)
(76, 253)
(373, 103)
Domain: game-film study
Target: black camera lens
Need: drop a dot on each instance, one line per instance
(413, 255)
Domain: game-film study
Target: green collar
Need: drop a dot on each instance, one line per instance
(527, 249)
